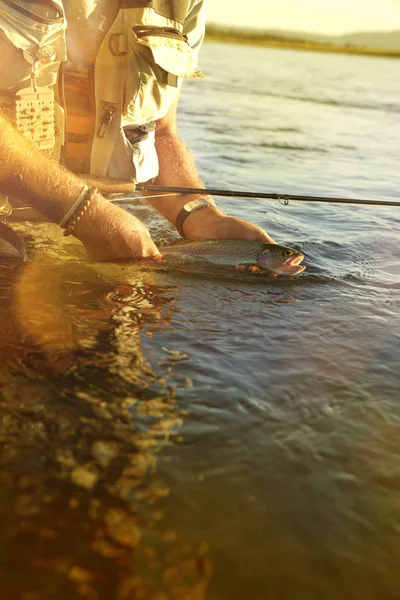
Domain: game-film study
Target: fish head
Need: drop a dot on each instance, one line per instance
(280, 260)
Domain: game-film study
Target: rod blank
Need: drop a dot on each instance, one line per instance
(258, 195)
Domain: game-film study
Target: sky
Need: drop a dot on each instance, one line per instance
(315, 16)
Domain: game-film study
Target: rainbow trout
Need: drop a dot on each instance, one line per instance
(268, 257)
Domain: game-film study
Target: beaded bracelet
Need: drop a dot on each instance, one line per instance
(82, 206)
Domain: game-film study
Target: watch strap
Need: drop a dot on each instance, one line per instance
(188, 209)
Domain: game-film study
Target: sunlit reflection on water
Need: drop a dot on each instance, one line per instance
(83, 421)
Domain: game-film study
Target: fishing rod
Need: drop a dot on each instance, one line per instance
(285, 198)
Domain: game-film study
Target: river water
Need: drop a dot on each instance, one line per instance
(170, 433)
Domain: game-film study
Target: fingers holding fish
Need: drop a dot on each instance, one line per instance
(253, 269)
(212, 224)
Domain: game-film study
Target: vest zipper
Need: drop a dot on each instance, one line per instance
(106, 120)
(61, 100)
(93, 110)
(170, 32)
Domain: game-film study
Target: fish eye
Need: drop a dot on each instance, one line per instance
(287, 252)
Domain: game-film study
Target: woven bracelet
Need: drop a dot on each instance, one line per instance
(80, 210)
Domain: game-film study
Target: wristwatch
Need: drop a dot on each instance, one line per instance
(187, 210)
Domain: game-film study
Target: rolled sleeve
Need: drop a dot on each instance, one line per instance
(195, 25)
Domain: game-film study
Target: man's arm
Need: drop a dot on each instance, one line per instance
(177, 168)
(107, 231)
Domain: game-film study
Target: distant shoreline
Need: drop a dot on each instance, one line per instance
(230, 37)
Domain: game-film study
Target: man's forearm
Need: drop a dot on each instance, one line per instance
(177, 168)
(107, 231)
(25, 172)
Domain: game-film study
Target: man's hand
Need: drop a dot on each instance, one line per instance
(109, 233)
(210, 223)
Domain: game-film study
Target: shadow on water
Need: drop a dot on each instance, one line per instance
(325, 524)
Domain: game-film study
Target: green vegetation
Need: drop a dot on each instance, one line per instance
(295, 40)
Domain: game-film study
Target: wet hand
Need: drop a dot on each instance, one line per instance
(110, 233)
(210, 223)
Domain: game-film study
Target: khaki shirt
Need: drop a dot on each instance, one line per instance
(114, 75)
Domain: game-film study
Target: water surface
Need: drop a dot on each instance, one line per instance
(181, 433)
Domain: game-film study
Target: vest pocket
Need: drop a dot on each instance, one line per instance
(160, 58)
(29, 32)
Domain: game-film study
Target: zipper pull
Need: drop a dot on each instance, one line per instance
(108, 116)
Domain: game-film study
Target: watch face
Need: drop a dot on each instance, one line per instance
(195, 203)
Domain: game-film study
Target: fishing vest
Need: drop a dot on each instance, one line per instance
(137, 73)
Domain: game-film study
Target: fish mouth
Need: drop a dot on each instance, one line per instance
(291, 266)
(293, 261)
